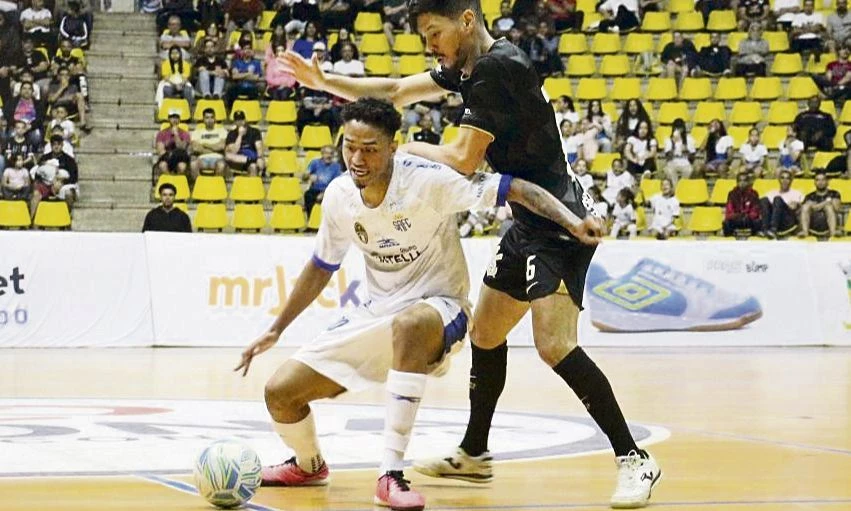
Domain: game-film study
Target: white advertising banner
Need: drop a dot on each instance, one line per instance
(830, 271)
(62, 289)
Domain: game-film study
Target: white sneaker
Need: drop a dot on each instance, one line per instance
(638, 473)
(459, 465)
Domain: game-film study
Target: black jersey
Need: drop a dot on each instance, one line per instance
(502, 96)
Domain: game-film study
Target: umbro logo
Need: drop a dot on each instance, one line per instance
(647, 476)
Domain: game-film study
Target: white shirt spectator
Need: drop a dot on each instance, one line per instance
(183, 36)
(641, 148)
(623, 215)
(753, 154)
(614, 5)
(586, 180)
(789, 196)
(68, 128)
(679, 150)
(571, 144)
(573, 117)
(602, 209)
(665, 209)
(41, 15)
(796, 146)
(350, 68)
(801, 19)
(786, 4)
(615, 183)
(18, 178)
(723, 144)
(67, 148)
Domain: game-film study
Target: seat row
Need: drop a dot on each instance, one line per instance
(243, 189)
(252, 217)
(15, 214)
(693, 192)
(709, 220)
(635, 43)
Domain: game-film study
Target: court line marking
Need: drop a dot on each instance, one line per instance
(759, 440)
(188, 488)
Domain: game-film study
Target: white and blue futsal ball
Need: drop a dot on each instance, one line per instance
(227, 473)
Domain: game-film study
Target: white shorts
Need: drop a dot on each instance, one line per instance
(356, 352)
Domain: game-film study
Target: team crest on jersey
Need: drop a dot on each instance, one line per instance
(361, 232)
(401, 223)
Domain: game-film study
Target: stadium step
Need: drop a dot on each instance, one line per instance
(106, 39)
(135, 65)
(120, 141)
(124, 21)
(116, 167)
(106, 89)
(119, 219)
(118, 193)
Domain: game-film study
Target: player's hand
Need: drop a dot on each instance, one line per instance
(590, 231)
(306, 72)
(263, 343)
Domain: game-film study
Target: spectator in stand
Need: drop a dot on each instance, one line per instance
(212, 71)
(316, 107)
(395, 15)
(618, 15)
(580, 170)
(617, 179)
(347, 65)
(65, 185)
(29, 110)
(304, 44)
(26, 76)
(719, 148)
(246, 74)
(20, 145)
(571, 142)
(640, 150)
(564, 15)
(61, 8)
(839, 26)
(679, 150)
(601, 207)
(16, 183)
(212, 32)
(320, 172)
(715, 59)
(336, 14)
(808, 30)
(319, 49)
(280, 82)
(184, 9)
(208, 146)
(836, 82)
(303, 11)
(10, 55)
(820, 212)
(546, 31)
(35, 62)
(243, 14)
(59, 114)
(679, 57)
(753, 53)
(426, 132)
(784, 12)
(597, 130)
(505, 22)
(244, 150)
(632, 114)
(515, 35)
(166, 217)
(791, 150)
(752, 12)
(451, 110)
(172, 146)
(666, 210)
(63, 92)
(176, 74)
(815, 128)
(535, 46)
(74, 26)
(742, 211)
(210, 12)
(175, 36)
(37, 22)
(67, 148)
(623, 215)
(343, 38)
(565, 110)
(780, 208)
(753, 154)
(64, 58)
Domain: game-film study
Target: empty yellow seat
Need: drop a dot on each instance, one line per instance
(180, 183)
(656, 22)
(734, 39)
(247, 189)
(661, 89)
(680, 6)
(764, 185)
(266, 20)
(251, 107)
(374, 44)
(669, 112)
(696, 89)
(739, 134)
(721, 190)
(766, 88)
(616, 65)
(315, 137)
(707, 111)
(368, 22)
(705, 220)
(282, 162)
(378, 65)
(603, 163)
(408, 44)
(412, 64)
(557, 87)
(281, 112)
(772, 136)
(782, 112)
(820, 67)
(730, 89)
(663, 133)
(52, 215)
(315, 217)
(650, 187)
(217, 105)
(572, 44)
(590, 89)
(699, 134)
(721, 21)
(845, 116)
(605, 43)
(284, 189)
(581, 65)
(787, 64)
(689, 22)
(211, 216)
(637, 42)
(287, 217)
(746, 112)
(829, 107)
(281, 136)
(822, 158)
(625, 88)
(805, 186)
(843, 186)
(249, 217)
(777, 41)
(14, 213)
(847, 223)
(209, 189)
(169, 104)
(692, 191)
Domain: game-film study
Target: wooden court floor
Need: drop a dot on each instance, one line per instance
(750, 429)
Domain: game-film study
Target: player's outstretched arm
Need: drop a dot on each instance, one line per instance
(401, 91)
(588, 230)
(310, 283)
(464, 154)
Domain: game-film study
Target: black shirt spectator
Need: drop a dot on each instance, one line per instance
(166, 217)
(714, 59)
(820, 212)
(680, 50)
(34, 61)
(64, 161)
(249, 140)
(209, 12)
(815, 128)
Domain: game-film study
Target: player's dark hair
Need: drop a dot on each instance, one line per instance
(168, 186)
(209, 111)
(56, 139)
(819, 172)
(446, 8)
(375, 112)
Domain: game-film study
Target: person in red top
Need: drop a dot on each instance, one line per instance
(172, 145)
(564, 14)
(243, 14)
(836, 82)
(743, 210)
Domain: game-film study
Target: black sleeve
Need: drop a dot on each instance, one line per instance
(73, 170)
(147, 225)
(231, 138)
(187, 223)
(484, 109)
(446, 79)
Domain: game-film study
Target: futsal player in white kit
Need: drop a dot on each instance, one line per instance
(399, 210)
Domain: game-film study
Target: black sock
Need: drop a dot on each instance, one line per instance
(592, 387)
(487, 379)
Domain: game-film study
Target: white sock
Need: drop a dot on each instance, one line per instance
(404, 392)
(301, 438)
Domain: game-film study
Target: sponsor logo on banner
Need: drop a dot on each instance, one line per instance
(13, 286)
(846, 269)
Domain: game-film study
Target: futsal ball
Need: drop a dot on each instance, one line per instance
(227, 473)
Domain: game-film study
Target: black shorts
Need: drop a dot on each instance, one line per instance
(529, 266)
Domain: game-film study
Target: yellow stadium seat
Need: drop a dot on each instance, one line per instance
(368, 22)
(656, 22)
(374, 44)
(247, 189)
(572, 44)
(820, 67)
(281, 136)
(315, 217)
(14, 214)
(211, 216)
(557, 87)
(848, 224)
(233, 40)
(266, 20)
(217, 105)
(707, 111)
(287, 217)
(829, 107)
(721, 190)
(700, 40)
(491, 8)
(663, 41)
(663, 133)
(251, 107)
(590, 89)
(625, 88)
(315, 137)
(706, 220)
(52, 215)
(845, 116)
(734, 39)
(605, 43)
(843, 186)
(284, 189)
(412, 64)
(661, 89)
(169, 104)
(689, 22)
(739, 134)
(801, 88)
(408, 44)
(782, 112)
(839, 138)
(805, 186)
(640, 219)
(281, 112)
(586, 6)
(822, 158)
(616, 65)
(730, 89)
(209, 189)
(699, 134)
(746, 112)
(680, 6)
(650, 187)
(182, 207)
(692, 191)
(637, 42)
(772, 136)
(180, 182)
(581, 65)
(777, 41)
(787, 64)
(603, 163)
(696, 89)
(282, 162)
(764, 185)
(449, 134)
(669, 112)
(248, 217)
(721, 21)
(766, 88)
(378, 65)
(592, 19)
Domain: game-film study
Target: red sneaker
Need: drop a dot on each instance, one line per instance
(393, 491)
(289, 473)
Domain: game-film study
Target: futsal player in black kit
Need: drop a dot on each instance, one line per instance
(538, 266)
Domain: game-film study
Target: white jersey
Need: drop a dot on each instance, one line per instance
(410, 242)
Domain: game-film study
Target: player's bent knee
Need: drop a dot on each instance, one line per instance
(282, 394)
(418, 333)
(553, 349)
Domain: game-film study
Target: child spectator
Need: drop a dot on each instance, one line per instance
(679, 151)
(719, 147)
(666, 209)
(580, 168)
(571, 142)
(791, 150)
(16, 184)
(597, 131)
(753, 154)
(601, 207)
(616, 180)
(640, 150)
(623, 215)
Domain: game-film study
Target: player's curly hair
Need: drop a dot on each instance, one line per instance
(379, 113)
(447, 8)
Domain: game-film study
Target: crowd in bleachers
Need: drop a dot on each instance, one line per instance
(44, 94)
